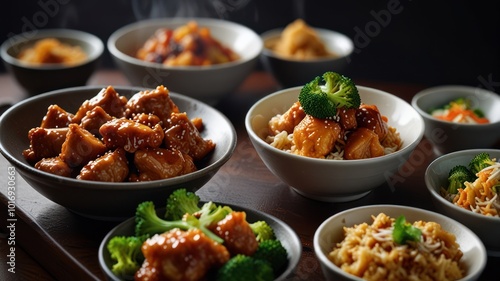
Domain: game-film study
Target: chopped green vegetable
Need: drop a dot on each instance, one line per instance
(262, 231)
(480, 161)
(149, 223)
(245, 268)
(404, 231)
(181, 202)
(322, 101)
(126, 252)
(457, 177)
(273, 252)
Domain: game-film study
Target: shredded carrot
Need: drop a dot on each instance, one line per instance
(459, 114)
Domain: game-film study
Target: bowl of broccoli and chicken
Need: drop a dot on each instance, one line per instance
(331, 140)
(186, 239)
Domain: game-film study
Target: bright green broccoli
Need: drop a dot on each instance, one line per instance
(126, 253)
(322, 101)
(147, 222)
(404, 231)
(212, 213)
(181, 202)
(273, 252)
(245, 268)
(456, 178)
(262, 231)
(479, 162)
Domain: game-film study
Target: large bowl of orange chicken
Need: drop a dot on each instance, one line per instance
(198, 57)
(99, 151)
(338, 159)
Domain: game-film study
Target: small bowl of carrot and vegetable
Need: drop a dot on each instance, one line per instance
(459, 117)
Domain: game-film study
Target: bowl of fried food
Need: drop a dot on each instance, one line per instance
(297, 53)
(332, 140)
(50, 59)
(198, 57)
(464, 186)
(199, 241)
(99, 151)
(459, 117)
(391, 242)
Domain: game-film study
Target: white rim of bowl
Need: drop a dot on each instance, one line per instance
(94, 41)
(179, 21)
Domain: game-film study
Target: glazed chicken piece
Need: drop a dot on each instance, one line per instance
(111, 167)
(180, 256)
(314, 137)
(44, 143)
(347, 118)
(287, 121)
(149, 120)
(237, 235)
(108, 99)
(94, 119)
(56, 117)
(157, 102)
(162, 163)
(368, 116)
(130, 135)
(55, 165)
(363, 143)
(80, 147)
(183, 135)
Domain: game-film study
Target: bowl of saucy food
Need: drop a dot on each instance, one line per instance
(391, 242)
(334, 155)
(198, 57)
(99, 151)
(237, 243)
(49, 59)
(459, 117)
(297, 53)
(464, 186)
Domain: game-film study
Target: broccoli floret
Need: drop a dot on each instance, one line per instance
(479, 162)
(322, 101)
(147, 222)
(126, 252)
(262, 231)
(456, 178)
(245, 268)
(181, 202)
(273, 252)
(212, 213)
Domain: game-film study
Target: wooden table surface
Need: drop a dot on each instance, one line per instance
(52, 243)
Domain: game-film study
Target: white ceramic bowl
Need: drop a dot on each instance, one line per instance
(436, 176)
(448, 136)
(205, 83)
(331, 232)
(326, 179)
(39, 79)
(106, 200)
(293, 72)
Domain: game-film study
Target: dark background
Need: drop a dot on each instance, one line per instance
(422, 42)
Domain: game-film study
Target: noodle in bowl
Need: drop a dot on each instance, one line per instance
(438, 236)
(436, 176)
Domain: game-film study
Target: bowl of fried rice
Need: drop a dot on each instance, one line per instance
(391, 242)
(359, 160)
